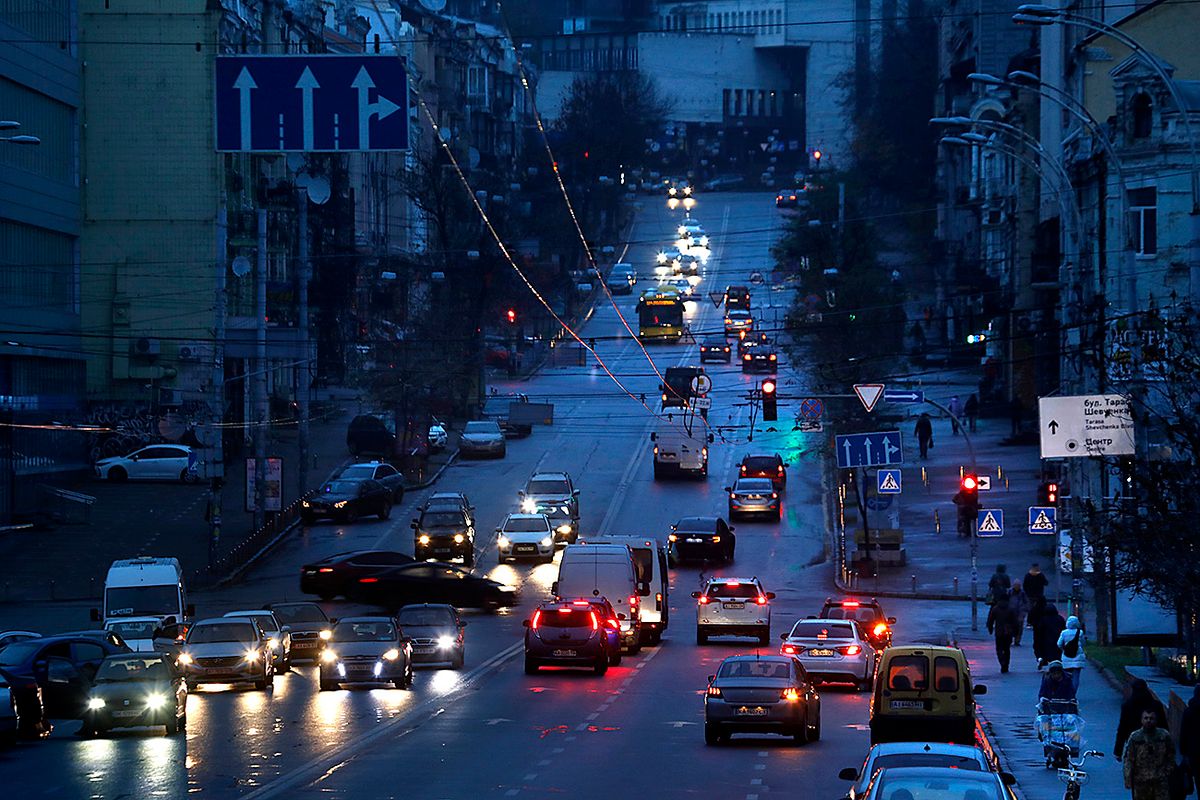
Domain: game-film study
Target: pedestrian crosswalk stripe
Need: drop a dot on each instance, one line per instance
(889, 482)
(1042, 523)
(989, 524)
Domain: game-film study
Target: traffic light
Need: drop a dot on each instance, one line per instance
(967, 501)
(512, 316)
(770, 411)
(1048, 493)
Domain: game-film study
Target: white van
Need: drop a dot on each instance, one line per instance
(604, 570)
(144, 587)
(650, 561)
(678, 451)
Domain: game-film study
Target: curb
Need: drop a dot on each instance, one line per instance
(1115, 682)
(233, 577)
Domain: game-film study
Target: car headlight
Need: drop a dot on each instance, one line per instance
(459, 538)
(563, 528)
(328, 656)
(252, 655)
(184, 659)
(325, 635)
(503, 542)
(305, 504)
(547, 542)
(672, 537)
(273, 643)
(391, 655)
(528, 506)
(340, 504)
(95, 703)
(423, 538)
(445, 642)
(155, 701)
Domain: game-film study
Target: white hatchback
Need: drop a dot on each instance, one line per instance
(832, 650)
(158, 462)
(733, 607)
(525, 536)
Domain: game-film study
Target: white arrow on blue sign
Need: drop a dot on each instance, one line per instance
(903, 396)
(1043, 520)
(889, 481)
(990, 522)
(878, 449)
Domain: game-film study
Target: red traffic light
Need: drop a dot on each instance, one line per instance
(970, 483)
(768, 387)
(512, 316)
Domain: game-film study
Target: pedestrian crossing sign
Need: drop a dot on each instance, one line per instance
(990, 522)
(889, 481)
(1043, 520)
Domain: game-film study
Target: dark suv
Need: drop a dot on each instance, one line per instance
(867, 613)
(737, 297)
(443, 533)
(565, 635)
(773, 467)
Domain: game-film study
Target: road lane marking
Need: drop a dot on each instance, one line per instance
(530, 777)
(593, 716)
(512, 793)
(545, 762)
(756, 782)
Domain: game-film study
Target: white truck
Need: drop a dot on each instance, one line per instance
(679, 450)
(144, 587)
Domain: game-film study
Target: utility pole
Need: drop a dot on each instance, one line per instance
(304, 369)
(260, 375)
(216, 465)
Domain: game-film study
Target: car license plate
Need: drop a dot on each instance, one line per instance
(693, 540)
(917, 705)
(423, 651)
(526, 548)
(751, 711)
(820, 652)
(126, 714)
(733, 605)
(565, 653)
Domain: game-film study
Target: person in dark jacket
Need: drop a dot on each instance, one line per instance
(1019, 602)
(971, 410)
(1035, 583)
(924, 434)
(1000, 585)
(1189, 735)
(1140, 699)
(1055, 683)
(1002, 622)
(1049, 625)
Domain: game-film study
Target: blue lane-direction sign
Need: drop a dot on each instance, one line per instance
(889, 481)
(311, 103)
(1043, 520)
(903, 396)
(990, 522)
(878, 449)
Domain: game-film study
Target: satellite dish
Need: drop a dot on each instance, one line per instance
(318, 189)
(241, 266)
(295, 161)
(434, 5)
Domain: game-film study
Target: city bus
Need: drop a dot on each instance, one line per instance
(660, 314)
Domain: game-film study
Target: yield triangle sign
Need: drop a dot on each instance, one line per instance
(716, 298)
(869, 394)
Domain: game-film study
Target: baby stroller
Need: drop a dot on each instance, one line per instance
(1060, 730)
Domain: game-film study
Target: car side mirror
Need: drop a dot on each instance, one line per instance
(891, 620)
(783, 637)
(554, 588)
(95, 614)
(524, 623)
(414, 524)
(696, 595)
(653, 436)
(848, 774)
(980, 689)
(726, 488)
(711, 438)
(770, 595)
(575, 493)
(712, 678)
(1008, 779)
(285, 628)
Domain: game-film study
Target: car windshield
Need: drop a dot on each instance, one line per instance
(739, 315)
(860, 614)
(757, 668)
(696, 525)
(141, 601)
(215, 632)
(18, 653)
(818, 629)
(753, 485)
(289, 615)
(352, 631)
(133, 669)
(141, 629)
(443, 519)
(265, 621)
(341, 487)
(760, 463)
(526, 525)
(936, 784)
(425, 616)
(732, 590)
(359, 471)
(554, 487)
(715, 341)
(495, 405)
(951, 760)
(481, 427)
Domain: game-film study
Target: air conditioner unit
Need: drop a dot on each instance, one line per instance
(195, 351)
(144, 346)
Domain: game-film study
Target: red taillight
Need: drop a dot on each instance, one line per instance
(880, 629)
(368, 580)
(774, 495)
(746, 357)
(713, 691)
(704, 600)
(633, 600)
(595, 621)
(792, 649)
(850, 650)
(732, 496)
(325, 569)
(537, 619)
(658, 597)
(849, 604)
(614, 624)
(565, 610)
(743, 465)
(773, 356)
(761, 600)
(580, 603)
(780, 469)
(790, 695)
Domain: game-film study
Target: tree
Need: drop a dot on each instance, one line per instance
(606, 119)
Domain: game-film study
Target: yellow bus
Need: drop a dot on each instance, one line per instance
(660, 314)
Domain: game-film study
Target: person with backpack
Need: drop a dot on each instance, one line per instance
(1000, 585)
(1070, 642)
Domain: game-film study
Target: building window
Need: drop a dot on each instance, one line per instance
(737, 102)
(477, 81)
(1143, 208)
(725, 102)
(1143, 115)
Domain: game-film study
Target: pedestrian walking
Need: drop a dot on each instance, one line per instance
(1019, 602)
(1189, 736)
(1002, 623)
(971, 409)
(924, 434)
(1070, 642)
(1049, 626)
(1140, 699)
(1016, 414)
(955, 409)
(1148, 759)
(999, 585)
(1035, 583)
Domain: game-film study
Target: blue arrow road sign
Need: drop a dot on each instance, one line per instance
(311, 103)
(888, 481)
(878, 449)
(1043, 520)
(903, 396)
(990, 522)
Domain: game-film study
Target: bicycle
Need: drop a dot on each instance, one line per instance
(1074, 776)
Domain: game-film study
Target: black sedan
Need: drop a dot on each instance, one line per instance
(715, 348)
(436, 632)
(347, 499)
(331, 576)
(700, 539)
(368, 650)
(391, 478)
(761, 694)
(759, 357)
(136, 690)
(308, 625)
(432, 582)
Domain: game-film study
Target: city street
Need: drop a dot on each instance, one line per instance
(491, 731)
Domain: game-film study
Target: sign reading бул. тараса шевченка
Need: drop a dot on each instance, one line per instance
(1086, 425)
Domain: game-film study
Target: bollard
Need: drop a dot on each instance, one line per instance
(914, 583)
(956, 585)
(937, 521)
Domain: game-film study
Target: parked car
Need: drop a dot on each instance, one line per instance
(371, 433)
(158, 462)
(366, 650)
(8, 637)
(482, 437)
(136, 690)
(62, 666)
(436, 631)
(347, 499)
(227, 650)
(431, 582)
(761, 694)
(332, 576)
(391, 478)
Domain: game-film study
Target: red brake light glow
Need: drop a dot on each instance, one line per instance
(849, 604)
(580, 603)
(780, 468)
(761, 600)
(614, 624)
(325, 569)
(792, 649)
(704, 599)
(713, 691)
(791, 695)
(880, 629)
(633, 599)
(565, 610)
(851, 650)
(368, 580)
(731, 583)
(595, 621)
(537, 619)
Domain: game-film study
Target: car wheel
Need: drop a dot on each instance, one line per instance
(814, 733)
(117, 474)
(764, 637)
(531, 666)
(728, 557)
(712, 735)
(863, 686)
(385, 510)
(615, 658)
(503, 452)
(188, 476)
(701, 636)
(459, 659)
(327, 686)
(800, 735)
(601, 665)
